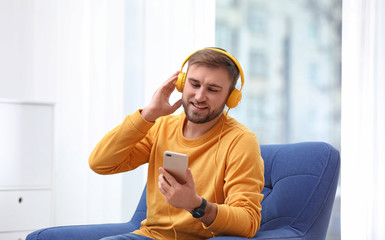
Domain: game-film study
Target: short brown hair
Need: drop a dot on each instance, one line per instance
(211, 58)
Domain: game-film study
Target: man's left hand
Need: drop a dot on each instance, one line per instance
(179, 195)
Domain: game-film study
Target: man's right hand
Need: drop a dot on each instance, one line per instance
(160, 105)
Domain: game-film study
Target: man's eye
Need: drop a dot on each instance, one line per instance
(213, 90)
(195, 85)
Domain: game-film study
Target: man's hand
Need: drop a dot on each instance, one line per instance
(178, 195)
(160, 105)
(184, 195)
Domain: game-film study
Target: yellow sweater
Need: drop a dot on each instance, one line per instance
(234, 180)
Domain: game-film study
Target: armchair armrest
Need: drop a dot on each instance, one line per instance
(276, 234)
(81, 232)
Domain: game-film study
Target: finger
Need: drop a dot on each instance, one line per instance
(189, 178)
(160, 180)
(169, 86)
(168, 177)
(176, 105)
(161, 185)
(170, 81)
(161, 189)
(170, 89)
(175, 74)
(172, 78)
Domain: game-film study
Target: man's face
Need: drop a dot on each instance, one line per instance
(205, 93)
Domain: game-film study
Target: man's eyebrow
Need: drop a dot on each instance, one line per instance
(211, 85)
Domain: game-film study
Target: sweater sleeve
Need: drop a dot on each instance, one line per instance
(124, 148)
(240, 215)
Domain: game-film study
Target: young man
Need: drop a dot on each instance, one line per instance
(222, 193)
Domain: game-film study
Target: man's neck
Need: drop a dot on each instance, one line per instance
(194, 130)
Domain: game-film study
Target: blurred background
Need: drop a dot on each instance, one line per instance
(90, 63)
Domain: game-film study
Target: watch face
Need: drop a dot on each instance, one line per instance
(198, 213)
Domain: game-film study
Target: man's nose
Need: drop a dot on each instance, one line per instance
(200, 95)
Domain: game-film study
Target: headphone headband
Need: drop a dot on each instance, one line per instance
(235, 61)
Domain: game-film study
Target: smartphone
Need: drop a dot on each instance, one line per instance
(176, 164)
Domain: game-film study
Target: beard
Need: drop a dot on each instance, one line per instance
(201, 117)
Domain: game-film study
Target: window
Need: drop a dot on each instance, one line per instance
(290, 53)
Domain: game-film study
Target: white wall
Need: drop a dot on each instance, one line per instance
(28, 50)
(97, 61)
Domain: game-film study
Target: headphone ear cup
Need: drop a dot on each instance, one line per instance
(234, 98)
(179, 84)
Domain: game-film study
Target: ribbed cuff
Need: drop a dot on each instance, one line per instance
(139, 122)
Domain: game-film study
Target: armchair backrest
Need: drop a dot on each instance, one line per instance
(300, 185)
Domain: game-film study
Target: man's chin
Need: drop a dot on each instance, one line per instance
(196, 119)
(199, 119)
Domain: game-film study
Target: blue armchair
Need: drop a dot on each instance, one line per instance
(300, 186)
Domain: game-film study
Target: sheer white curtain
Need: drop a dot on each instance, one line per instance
(89, 102)
(363, 120)
(112, 55)
(159, 36)
(174, 29)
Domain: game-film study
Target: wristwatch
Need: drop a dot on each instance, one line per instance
(200, 211)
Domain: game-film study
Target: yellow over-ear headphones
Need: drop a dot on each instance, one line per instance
(234, 97)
